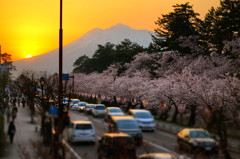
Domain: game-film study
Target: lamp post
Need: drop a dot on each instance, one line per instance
(59, 131)
(42, 83)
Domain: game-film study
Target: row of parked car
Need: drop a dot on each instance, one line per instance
(126, 129)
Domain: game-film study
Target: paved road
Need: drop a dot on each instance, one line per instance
(153, 141)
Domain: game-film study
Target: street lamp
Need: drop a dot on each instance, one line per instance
(42, 83)
(59, 131)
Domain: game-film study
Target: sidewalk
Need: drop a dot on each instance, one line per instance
(25, 133)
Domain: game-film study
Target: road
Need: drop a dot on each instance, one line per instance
(157, 141)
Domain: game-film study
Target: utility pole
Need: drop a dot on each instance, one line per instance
(59, 147)
(0, 54)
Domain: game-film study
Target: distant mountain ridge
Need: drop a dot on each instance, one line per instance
(85, 45)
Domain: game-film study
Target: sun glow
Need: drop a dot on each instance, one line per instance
(28, 56)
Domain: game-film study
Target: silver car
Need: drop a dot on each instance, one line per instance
(144, 118)
(162, 156)
(81, 131)
(112, 111)
(98, 110)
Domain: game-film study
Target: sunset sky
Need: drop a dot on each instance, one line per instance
(30, 27)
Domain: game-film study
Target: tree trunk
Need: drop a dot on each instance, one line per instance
(222, 132)
(192, 117)
(32, 111)
(164, 114)
(42, 123)
(174, 118)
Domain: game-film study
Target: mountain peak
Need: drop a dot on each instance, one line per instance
(120, 26)
(85, 45)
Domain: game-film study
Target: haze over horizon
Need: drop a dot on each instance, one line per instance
(31, 27)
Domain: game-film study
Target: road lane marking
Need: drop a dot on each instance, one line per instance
(165, 134)
(157, 146)
(72, 150)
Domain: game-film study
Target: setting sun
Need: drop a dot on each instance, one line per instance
(32, 26)
(28, 56)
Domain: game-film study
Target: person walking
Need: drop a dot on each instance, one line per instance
(8, 113)
(11, 131)
(14, 101)
(18, 101)
(23, 102)
(14, 113)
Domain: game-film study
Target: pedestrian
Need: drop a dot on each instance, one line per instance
(8, 112)
(23, 102)
(14, 113)
(18, 101)
(11, 131)
(14, 101)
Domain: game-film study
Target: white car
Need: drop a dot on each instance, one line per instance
(65, 101)
(112, 111)
(98, 110)
(89, 107)
(74, 104)
(81, 106)
(144, 118)
(162, 156)
(81, 131)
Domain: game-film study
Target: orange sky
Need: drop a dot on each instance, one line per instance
(30, 27)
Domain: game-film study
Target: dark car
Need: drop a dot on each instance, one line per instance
(116, 146)
(126, 124)
(193, 140)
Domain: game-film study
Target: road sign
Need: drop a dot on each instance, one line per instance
(65, 76)
(163, 105)
(181, 107)
(144, 102)
(53, 110)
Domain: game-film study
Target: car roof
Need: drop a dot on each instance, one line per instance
(122, 117)
(112, 107)
(138, 110)
(194, 129)
(162, 155)
(82, 122)
(116, 135)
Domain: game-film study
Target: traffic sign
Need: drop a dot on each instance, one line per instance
(181, 107)
(65, 76)
(53, 110)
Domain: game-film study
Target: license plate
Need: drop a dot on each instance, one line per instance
(208, 148)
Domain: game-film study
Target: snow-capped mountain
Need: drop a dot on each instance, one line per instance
(85, 45)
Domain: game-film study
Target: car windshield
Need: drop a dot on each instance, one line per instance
(65, 100)
(199, 134)
(90, 106)
(127, 124)
(83, 126)
(82, 104)
(115, 110)
(75, 101)
(143, 115)
(100, 107)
